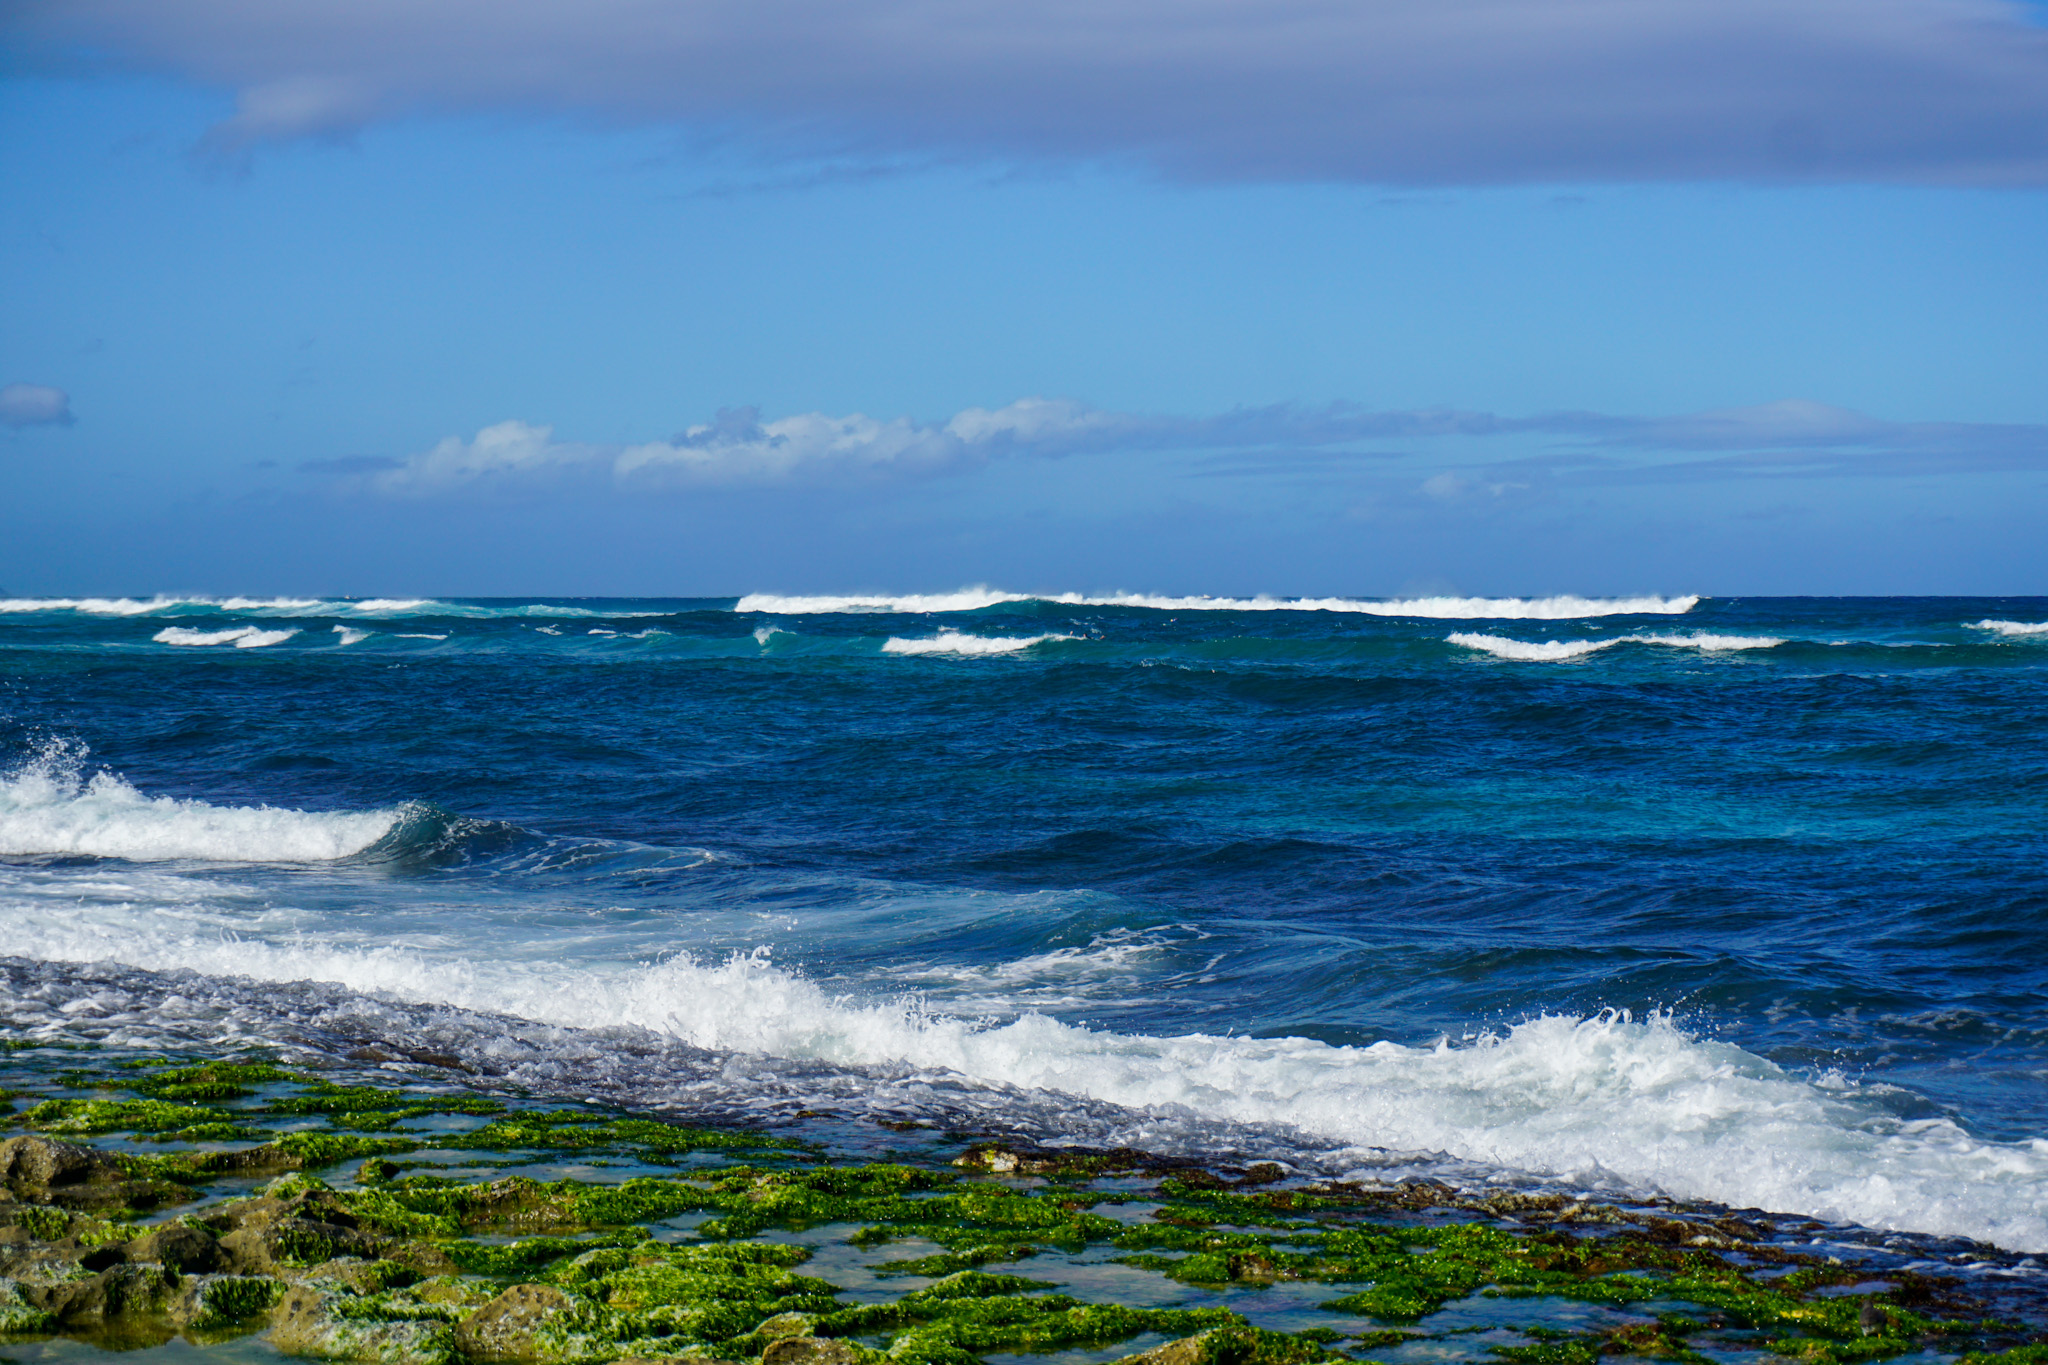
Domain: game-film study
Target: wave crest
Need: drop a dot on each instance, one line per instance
(956, 642)
(1553, 651)
(1432, 608)
(1605, 1096)
(241, 637)
(2019, 628)
(48, 807)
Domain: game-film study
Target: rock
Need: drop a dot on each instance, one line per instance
(505, 1326)
(359, 1276)
(215, 1301)
(1217, 1346)
(1253, 1267)
(120, 1293)
(786, 1325)
(33, 1166)
(178, 1247)
(300, 1224)
(17, 1314)
(305, 1323)
(265, 1248)
(810, 1351)
(44, 1171)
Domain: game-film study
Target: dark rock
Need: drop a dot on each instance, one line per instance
(178, 1247)
(111, 1296)
(44, 1171)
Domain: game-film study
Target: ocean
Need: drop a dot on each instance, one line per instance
(1736, 900)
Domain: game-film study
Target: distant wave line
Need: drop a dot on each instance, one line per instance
(1438, 608)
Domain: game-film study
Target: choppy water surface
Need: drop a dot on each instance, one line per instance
(1740, 900)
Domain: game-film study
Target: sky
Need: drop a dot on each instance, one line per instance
(515, 297)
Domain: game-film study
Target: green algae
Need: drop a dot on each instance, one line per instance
(85, 1118)
(212, 1081)
(530, 1256)
(572, 1130)
(224, 1301)
(949, 1262)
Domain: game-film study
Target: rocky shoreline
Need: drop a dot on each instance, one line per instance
(145, 1198)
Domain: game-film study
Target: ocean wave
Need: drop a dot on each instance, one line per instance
(1606, 1097)
(955, 642)
(350, 636)
(2020, 628)
(1552, 651)
(147, 606)
(379, 608)
(1433, 608)
(47, 806)
(241, 637)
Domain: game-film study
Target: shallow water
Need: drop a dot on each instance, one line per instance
(1739, 900)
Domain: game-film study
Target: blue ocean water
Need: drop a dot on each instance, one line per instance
(1733, 899)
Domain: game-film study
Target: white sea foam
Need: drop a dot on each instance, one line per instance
(1603, 1097)
(350, 636)
(145, 606)
(241, 637)
(1551, 651)
(2021, 628)
(1435, 608)
(49, 807)
(956, 642)
(372, 607)
(416, 635)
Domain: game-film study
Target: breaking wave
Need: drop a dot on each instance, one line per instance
(376, 608)
(48, 806)
(1552, 651)
(955, 642)
(1606, 1096)
(1435, 608)
(241, 637)
(2021, 628)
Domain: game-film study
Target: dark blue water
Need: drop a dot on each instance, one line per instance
(1738, 899)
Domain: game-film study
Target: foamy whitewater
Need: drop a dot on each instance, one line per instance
(958, 642)
(1746, 911)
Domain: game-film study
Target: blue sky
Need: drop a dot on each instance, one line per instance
(1556, 340)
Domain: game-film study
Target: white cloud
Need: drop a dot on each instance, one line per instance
(1390, 91)
(738, 449)
(506, 450)
(30, 405)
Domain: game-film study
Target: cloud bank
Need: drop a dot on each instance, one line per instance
(1386, 91)
(34, 405)
(1793, 438)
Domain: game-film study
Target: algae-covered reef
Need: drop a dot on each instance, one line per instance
(148, 1197)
